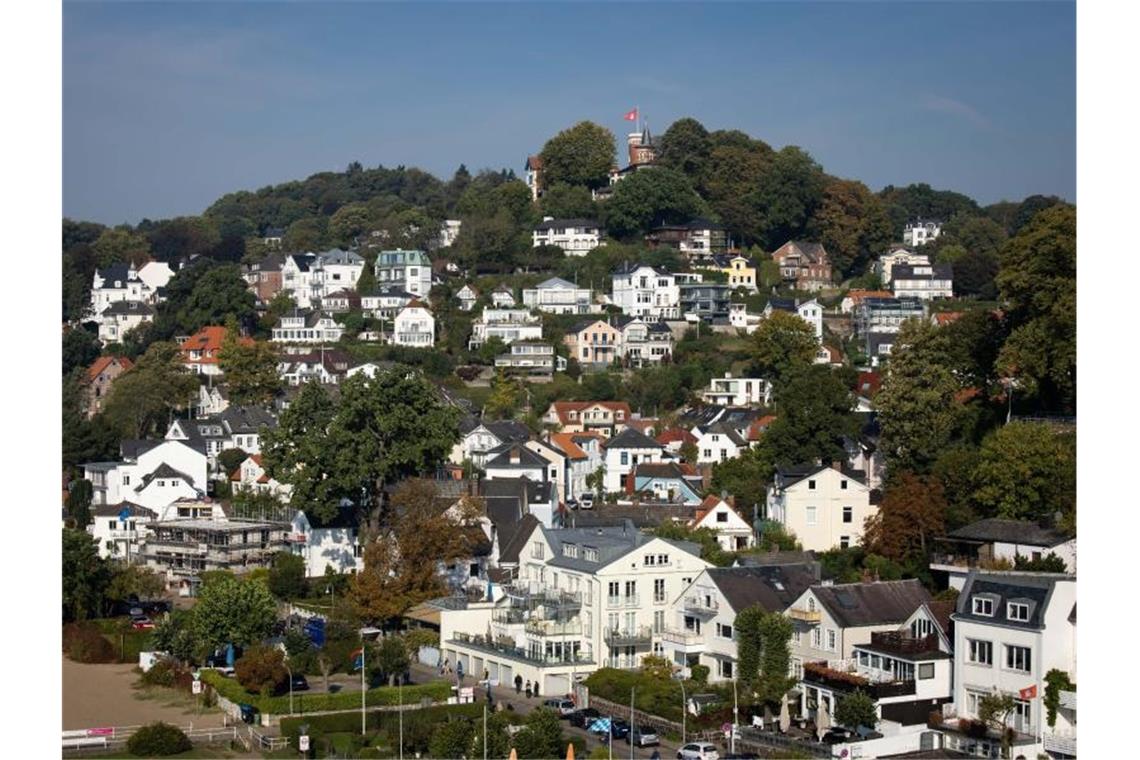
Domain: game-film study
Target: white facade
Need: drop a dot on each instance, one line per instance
(117, 538)
(576, 237)
(155, 275)
(337, 547)
(733, 532)
(385, 303)
(118, 282)
(718, 443)
(825, 508)
(448, 233)
(812, 313)
(737, 391)
(120, 318)
(307, 328)
(410, 270)
(414, 326)
(622, 459)
(251, 476)
(115, 482)
(557, 296)
(467, 296)
(740, 319)
(923, 281)
(899, 255)
(309, 277)
(921, 231)
(645, 291)
(508, 325)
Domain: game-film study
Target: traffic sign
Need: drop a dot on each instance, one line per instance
(196, 687)
(303, 743)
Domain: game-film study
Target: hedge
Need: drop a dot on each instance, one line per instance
(348, 722)
(436, 691)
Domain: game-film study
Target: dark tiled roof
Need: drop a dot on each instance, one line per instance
(164, 471)
(552, 223)
(782, 304)
(779, 558)
(789, 476)
(660, 470)
(632, 439)
(247, 419)
(128, 307)
(1009, 531)
(113, 510)
(629, 267)
(502, 457)
(513, 537)
(773, 587)
(881, 602)
(1034, 588)
(116, 272)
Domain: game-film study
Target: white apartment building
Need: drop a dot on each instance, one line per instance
(530, 359)
(311, 327)
(385, 303)
(410, 270)
(923, 281)
(737, 391)
(117, 528)
(118, 282)
(414, 326)
(557, 296)
(824, 506)
(576, 237)
(585, 598)
(508, 325)
(152, 474)
(309, 277)
(921, 231)
(644, 291)
(624, 452)
(899, 255)
(1010, 630)
(333, 544)
(121, 317)
(885, 315)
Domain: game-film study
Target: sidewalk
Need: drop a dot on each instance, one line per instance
(502, 693)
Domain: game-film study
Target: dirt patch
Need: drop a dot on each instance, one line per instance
(105, 695)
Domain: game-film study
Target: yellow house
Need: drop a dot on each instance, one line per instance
(741, 271)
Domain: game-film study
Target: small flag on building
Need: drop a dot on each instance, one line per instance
(1029, 692)
(631, 115)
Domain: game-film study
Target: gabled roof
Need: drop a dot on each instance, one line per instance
(164, 471)
(813, 252)
(246, 419)
(674, 434)
(773, 587)
(502, 456)
(552, 223)
(720, 427)
(117, 272)
(629, 267)
(103, 362)
(907, 272)
(563, 408)
(782, 304)
(632, 439)
(854, 605)
(1035, 589)
(555, 283)
(340, 256)
(666, 470)
(565, 443)
(789, 476)
(1009, 531)
(128, 307)
(513, 537)
(113, 510)
(611, 543)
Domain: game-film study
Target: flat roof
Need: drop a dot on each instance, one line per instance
(230, 525)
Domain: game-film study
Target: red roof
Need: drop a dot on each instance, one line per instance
(757, 428)
(103, 362)
(565, 442)
(868, 383)
(946, 317)
(859, 295)
(672, 435)
(236, 474)
(208, 340)
(563, 408)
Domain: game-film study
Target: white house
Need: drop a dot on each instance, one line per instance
(644, 291)
(584, 598)
(995, 541)
(121, 317)
(697, 628)
(824, 506)
(737, 391)
(923, 281)
(251, 476)
(477, 438)
(508, 325)
(334, 544)
(741, 319)
(533, 360)
(557, 296)
(236, 427)
(733, 532)
(624, 451)
(117, 528)
(921, 231)
(718, 442)
(576, 237)
(1010, 630)
(310, 277)
(151, 474)
(644, 342)
(414, 326)
(582, 454)
(384, 303)
(503, 297)
(306, 327)
(118, 282)
(515, 460)
(898, 255)
(812, 313)
(410, 270)
(467, 296)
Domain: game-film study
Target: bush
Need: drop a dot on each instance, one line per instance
(700, 673)
(83, 642)
(262, 669)
(437, 691)
(158, 740)
(170, 674)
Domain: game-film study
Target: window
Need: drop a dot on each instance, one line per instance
(536, 550)
(848, 514)
(811, 485)
(983, 606)
(650, 560)
(1017, 611)
(662, 559)
(815, 638)
(725, 668)
(614, 589)
(625, 458)
(980, 652)
(126, 480)
(921, 627)
(796, 636)
(570, 550)
(1018, 658)
(843, 485)
(844, 542)
(925, 671)
(658, 621)
(590, 554)
(658, 590)
(112, 524)
(722, 517)
(724, 631)
(810, 512)
(831, 639)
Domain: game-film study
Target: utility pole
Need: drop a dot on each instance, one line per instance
(735, 720)
(631, 725)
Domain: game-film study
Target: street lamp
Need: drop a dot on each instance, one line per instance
(735, 720)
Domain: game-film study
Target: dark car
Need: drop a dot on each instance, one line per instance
(837, 735)
(619, 728)
(642, 736)
(584, 717)
(300, 683)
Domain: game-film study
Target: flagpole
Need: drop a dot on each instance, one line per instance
(363, 688)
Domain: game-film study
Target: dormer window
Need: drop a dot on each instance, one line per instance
(1017, 611)
(570, 550)
(983, 606)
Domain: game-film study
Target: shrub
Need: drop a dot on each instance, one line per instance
(436, 691)
(262, 669)
(700, 673)
(158, 740)
(170, 674)
(83, 642)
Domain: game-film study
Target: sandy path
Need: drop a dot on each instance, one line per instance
(104, 695)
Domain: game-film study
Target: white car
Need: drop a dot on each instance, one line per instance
(586, 501)
(698, 751)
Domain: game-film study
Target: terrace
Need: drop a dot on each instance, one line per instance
(820, 674)
(506, 648)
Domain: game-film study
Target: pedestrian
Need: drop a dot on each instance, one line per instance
(489, 699)
(518, 684)
(655, 756)
(528, 689)
(487, 677)
(536, 687)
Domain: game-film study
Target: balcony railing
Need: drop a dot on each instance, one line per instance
(629, 600)
(804, 615)
(536, 627)
(508, 615)
(530, 596)
(684, 638)
(701, 605)
(897, 642)
(641, 636)
(819, 673)
(502, 647)
(1062, 743)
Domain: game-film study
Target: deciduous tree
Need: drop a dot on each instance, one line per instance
(856, 710)
(1026, 471)
(232, 611)
(143, 398)
(783, 342)
(261, 670)
(85, 576)
(287, 576)
(250, 368)
(852, 224)
(912, 512)
(121, 245)
(650, 198)
(580, 155)
(814, 412)
(685, 147)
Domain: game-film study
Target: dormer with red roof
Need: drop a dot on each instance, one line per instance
(200, 351)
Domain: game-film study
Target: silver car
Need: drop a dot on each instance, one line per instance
(698, 751)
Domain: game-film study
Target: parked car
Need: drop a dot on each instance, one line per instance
(698, 751)
(619, 728)
(142, 623)
(586, 501)
(643, 736)
(584, 717)
(837, 735)
(136, 611)
(561, 706)
(300, 683)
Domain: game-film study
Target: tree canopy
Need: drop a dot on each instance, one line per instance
(647, 199)
(233, 611)
(580, 155)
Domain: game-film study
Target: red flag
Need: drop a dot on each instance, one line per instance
(1028, 693)
(631, 116)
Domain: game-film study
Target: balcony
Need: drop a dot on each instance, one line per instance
(818, 673)
(532, 596)
(897, 642)
(687, 641)
(803, 615)
(701, 605)
(506, 648)
(544, 628)
(629, 600)
(1060, 743)
(641, 636)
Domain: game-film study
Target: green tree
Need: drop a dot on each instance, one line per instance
(1056, 681)
(390, 660)
(783, 342)
(749, 645)
(918, 411)
(250, 369)
(80, 348)
(911, 514)
(541, 736)
(498, 740)
(790, 190)
(650, 198)
(506, 395)
(79, 503)
(746, 477)
(1026, 471)
(995, 710)
(121, 245)
(384, 428)
(564, 201)
(85, 576)
(686, 147)
(814, 412)
(143, 398)
(287, 576)
(580, 155)
(1038, 284)
(775, 657)
(158, 740)
(230, 459)
(232, 611)
(856, 710)
(173, 634)
(128, 580)
(1030, 207)
(219, 294)
(852, 224)
(261, 670)
(305, 234)
(453, 738)
(350, 221)
(186, 236)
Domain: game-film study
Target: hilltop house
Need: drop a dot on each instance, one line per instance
(151, 474)
(921, 231)
(409, 270)
(200, 351)
(923, 281)
(557, 296)
(99, 378)
(898, 255)
(310, 327)
(824, 506)
(737, 391)
(624, 451)
(576, 237)
(640, 290)
(699, 239)
(605, 417)
(121, 317)
(508, 325)
(414, 326)
(806, 266)
(467, 296)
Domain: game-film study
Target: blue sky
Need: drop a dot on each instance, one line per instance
(168, 106)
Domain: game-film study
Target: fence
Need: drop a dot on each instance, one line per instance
(103, 739)
(266, 743)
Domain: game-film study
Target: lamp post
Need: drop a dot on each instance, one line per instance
(631, 725)
(735, 720)
(400, 697)
(289, 670)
